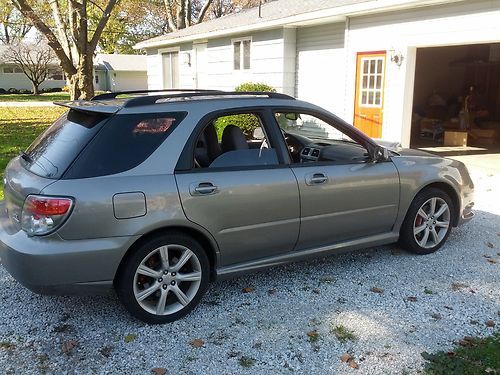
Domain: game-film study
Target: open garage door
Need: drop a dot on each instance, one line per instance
(456, 101)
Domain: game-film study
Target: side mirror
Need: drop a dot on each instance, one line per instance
(258, 133)
(380, 154)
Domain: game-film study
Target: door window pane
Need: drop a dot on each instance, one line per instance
(232, 141)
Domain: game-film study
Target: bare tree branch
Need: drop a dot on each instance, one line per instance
(204, 11)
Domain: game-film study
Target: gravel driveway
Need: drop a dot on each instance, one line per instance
(388, 307)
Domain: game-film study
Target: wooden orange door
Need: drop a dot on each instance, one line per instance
(369, 99)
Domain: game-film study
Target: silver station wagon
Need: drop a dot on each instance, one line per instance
(158, 193)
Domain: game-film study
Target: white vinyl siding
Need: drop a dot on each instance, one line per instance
(321, 66)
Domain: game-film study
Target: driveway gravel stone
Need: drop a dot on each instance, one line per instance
(395, 305)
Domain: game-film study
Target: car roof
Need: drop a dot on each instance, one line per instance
(150, 101)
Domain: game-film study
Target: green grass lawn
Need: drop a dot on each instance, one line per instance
(45, 97)
(473, 356)
(19, 126)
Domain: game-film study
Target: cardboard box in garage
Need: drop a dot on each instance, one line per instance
(455, 138)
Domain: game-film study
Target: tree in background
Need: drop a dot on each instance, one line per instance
(72, 34)
(131, 22)
(13, 26)
(221, 8)
(34, 60)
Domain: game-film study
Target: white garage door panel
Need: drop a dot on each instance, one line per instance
(320, 66)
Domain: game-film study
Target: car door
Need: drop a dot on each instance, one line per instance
(249, 204)
(343, 194)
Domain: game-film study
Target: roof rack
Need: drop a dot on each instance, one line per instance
(113, 95)
(152, 99)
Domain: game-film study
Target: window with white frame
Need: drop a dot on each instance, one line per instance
(55, 74)
(241, 54)
(371, 85)
(12, 69)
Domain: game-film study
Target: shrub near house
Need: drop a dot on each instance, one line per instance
(247, 123)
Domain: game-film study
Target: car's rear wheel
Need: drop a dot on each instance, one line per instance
(428, 222)
(164, 278)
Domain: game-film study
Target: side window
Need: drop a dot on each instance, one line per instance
(236, 140)
(311, 139)
(124, 143)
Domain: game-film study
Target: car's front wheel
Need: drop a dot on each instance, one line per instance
(428, 222)
(164, 278)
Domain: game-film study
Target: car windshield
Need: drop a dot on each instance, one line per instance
(309, 126)
(55, 149)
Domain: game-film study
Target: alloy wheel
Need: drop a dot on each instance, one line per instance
(431, 223)
(167, 279)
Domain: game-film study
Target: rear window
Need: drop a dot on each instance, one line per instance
(124, 143)
(55, 149)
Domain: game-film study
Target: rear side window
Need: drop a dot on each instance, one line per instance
(55, 149)
(124, 143)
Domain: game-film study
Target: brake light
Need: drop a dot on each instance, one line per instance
(43, 215)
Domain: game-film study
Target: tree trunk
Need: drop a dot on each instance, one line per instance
(36, 88)
(82, 84)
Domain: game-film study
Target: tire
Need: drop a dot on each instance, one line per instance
(421, 222)
(158, 291)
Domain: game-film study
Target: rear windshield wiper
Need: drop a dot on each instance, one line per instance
(26, 157)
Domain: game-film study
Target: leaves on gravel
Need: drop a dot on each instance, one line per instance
(313, 336)
(490, 245)
(492, 261)
(349, 359)
(436, 316)
(197, 343)
(490, 323)
(272, 291)
(376, 289)
(411, 299)
(248, 289)
(456, 286)
(247, 361)
(158, 371)
(68, 346)
(428, 291)
(129, 337)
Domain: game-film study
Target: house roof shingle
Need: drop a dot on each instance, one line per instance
(271, 11)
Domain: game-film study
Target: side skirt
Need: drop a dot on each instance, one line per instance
(293, 256)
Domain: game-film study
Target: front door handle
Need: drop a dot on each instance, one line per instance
(316, 179)
(203, 188)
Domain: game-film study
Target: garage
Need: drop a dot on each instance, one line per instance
(456, 98)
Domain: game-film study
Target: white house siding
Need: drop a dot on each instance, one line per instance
(123, 81)
(459, 23)
(20, 82)
(321, 66)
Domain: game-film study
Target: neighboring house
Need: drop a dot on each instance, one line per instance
(372, 62)
(13, 77)
(114, 72)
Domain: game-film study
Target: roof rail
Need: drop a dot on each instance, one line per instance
(113, 95)
(152, 99)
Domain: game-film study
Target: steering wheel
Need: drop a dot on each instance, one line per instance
(294, 147)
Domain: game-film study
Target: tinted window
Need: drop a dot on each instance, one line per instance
(124, 143)
(56, 148)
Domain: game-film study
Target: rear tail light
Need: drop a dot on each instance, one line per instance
(43, 215)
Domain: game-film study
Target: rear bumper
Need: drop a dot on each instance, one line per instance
(51, 265)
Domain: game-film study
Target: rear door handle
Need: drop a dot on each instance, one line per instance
(316, 179)
(202, 188)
